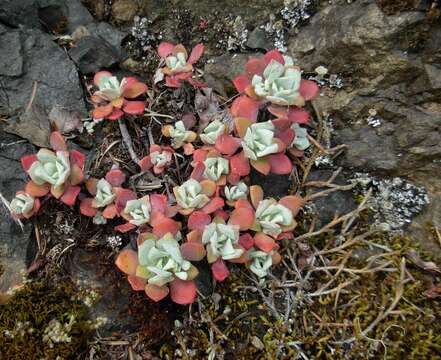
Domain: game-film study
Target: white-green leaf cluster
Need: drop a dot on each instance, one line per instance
(222, 241)
(259, 140)
(160, 159)
(236, 192)
(272, 216)
(50, 167)
(300, 141)
(261, 262)
(22, 204)
(189, 195)
(177, 63)
(139, 210)
(179, 134)
(212, 132)
(279, 84)
(110, 88)
(215, 167)
(104, 194)
(161, 261)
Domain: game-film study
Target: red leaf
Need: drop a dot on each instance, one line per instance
(280, 164)
(292, 202)
(243, 217)
(134, 89)
(27, 161)
(165, 226)
(110, 211)
(215, 204)
(196, 54)
(219, 270)
(122, 196)
(156, 293)
(264, 242)
(199, 155)
(241, 82)
(99, 75)
(239, 164)
(262, 165)
(172, 81)
(127, 261)
(198, 220)
(243, 203)
(115, 177)
(101, 112)
(115, 115)
(70, 195)
(273, 55)
(57, 141)
(282, 124)
(134, 107)
(193, 251)
(77, 157)
(227, 144)
(158, 203)
(255, 66)
(246, 241)
(165, 49)
(86, 207)
(222, 214)
(123, 228)
(198, 171)
(137, 283)
(182, 292)
(243, 106)
(298, 115)
(37, 190)
(145, 163)
(287, 136)
(309, 89)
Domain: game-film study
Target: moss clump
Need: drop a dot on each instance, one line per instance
(36, 308)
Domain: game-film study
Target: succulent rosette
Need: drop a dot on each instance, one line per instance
(212, 131)
(159, 268)
(180, 136)
(178, 65)
(260, 262)
(236, 192)
(159, 159)
(111, 98)
(57, 171)
(24, 205)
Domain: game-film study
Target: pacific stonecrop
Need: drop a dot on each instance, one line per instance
(215, 214)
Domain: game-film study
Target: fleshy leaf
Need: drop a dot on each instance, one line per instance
(261, 165)
(298, 115)
(243, 217)
(273, 55)
(256, 195)
(287, 136)
(309, 89)
(115, 177)
(165, 226)
(241, 125)
(137, 283)
(37, 190)
(241, 82)
(214, 204)
(99, 75)
(165, 49)
(255, 66)
(264, 242)
(101, 112)
(193, 251)
(156, 293)
(227, 144)
(115, 114)
(280, 164)
(134, 90)
(127, 261)
(145, 163)
(198, 220)
(77, 157)
(76, 175)
(86, 207)
(70, 195)
(246, 241)
(57, 141)
(182, 292)
(110, 211)
(208, 187)
(292, 202)
(196, 54)
(243, 106)
(219, 270)
(172, 81)
(27, 161)
(239, 164)
(134, 107)
(123, 228)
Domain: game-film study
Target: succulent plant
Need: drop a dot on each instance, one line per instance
(58, 171)
(158, 264)
(111, 98)
(179, 66)
(24, 205)
(221, 241)
(212, 131)
(159, 158)
(300, 141)
(137, 211)
(259, 140)
(260, 262)
(190, 195)
(272, 217)
(104, 194)
(215, 167)
(179, 134)
(236, 192)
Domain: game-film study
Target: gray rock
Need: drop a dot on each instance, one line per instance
(257, 39)
(78, 15)
(19, 12)
(45, 68)
(14, 241)
(110, 34)
(93, 53)
(273, 185)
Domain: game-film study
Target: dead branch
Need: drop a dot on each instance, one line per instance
(127, 140)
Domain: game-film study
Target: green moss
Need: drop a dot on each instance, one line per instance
(27, 314)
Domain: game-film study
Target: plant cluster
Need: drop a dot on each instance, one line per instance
(216, 214)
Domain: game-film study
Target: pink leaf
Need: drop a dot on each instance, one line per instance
(134, 107)
(172, 81)
(27, 161)
(193, 251)
(239, 164)
(222, 214)
(123, 228)
(199, 155)
(101, 112)
(198, 171)
(165, 226)
(241, 82)
(246, 241)
(280, 164)
(86, 207)
(115, 115)
(242, 217)
(282, 124)
(273, 55)
(219, 270)
(298, 115)
(134, 89)
(115, 177)
(122, 196)
(243, 106)
(57, 141)
(35, 190)
(255, 66)
(287, 136)
(137, 283)
(127, 261)
(198, 220)
(264, 242)
(182, 292)
(196, 54)
(309, 89)
(215, 204)
(227, 144)
(256, 195)
(77, 157)
(158, 203)
(70, 195)
(156, 293)
(99, 75)
(165, 49)
(145, 163)
(292, 202)
(110, 211)
(262, 165)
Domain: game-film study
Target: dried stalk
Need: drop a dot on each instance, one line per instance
(127, 140)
